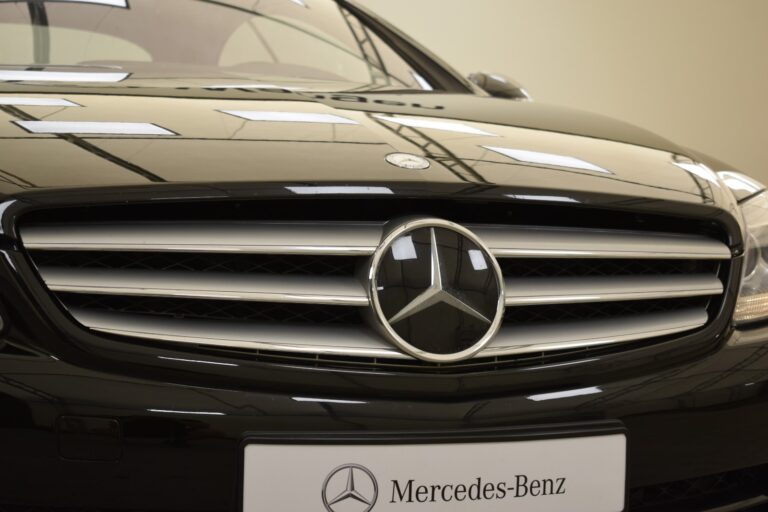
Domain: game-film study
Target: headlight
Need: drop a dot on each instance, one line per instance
(753, 297)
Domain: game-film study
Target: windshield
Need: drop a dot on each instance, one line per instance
(299, 41)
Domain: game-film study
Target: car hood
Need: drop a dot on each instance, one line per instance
(163, 132)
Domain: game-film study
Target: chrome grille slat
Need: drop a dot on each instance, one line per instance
(350, 341)
(351, 291)
(329, 238)
(342, 291)
(591, 333)
(358, 238)
(546, 242)
(571, 290)
(356, 342)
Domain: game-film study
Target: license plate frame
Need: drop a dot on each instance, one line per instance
(479, 436)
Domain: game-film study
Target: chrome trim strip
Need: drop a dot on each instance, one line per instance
(545, 242)
(361, 342)
(349, 341)
(589, 333)
(573, 290)
(361, 238)
(326, 238)
(344, 291)
(348, 291)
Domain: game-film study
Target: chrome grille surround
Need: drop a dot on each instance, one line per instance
(330, 239)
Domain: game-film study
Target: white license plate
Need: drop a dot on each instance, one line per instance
(546, 475)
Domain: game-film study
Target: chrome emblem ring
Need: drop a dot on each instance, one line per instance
(436, 290)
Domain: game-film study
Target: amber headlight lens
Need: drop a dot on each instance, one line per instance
(752, 305)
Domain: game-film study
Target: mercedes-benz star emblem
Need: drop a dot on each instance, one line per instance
(349, 485)
(436, 290)
(408, 161)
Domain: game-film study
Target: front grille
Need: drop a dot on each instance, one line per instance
(295, 291)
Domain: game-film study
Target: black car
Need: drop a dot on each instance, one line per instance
(274, 255)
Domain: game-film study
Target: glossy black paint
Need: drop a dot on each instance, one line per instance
(251, 152)
(692, 405)
(698, 418)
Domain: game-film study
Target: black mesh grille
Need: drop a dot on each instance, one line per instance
(317, 314)
(528, 267)
(703, 493)
(596, 310)
(325, 314)
(237, 263)
(347, 266)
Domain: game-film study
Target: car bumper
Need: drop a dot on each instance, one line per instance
(77, 437)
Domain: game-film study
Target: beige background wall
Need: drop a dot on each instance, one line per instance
(695, 71)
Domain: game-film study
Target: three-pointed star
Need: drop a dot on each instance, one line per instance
(350, 493)
(437, 293)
